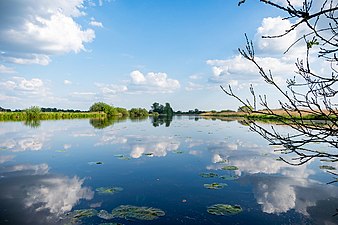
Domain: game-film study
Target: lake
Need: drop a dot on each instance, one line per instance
(185, 171)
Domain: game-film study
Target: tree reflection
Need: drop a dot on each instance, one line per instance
(160, 120)
(100, 123)
(32, 123)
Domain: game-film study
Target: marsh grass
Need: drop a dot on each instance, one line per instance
(24, 116)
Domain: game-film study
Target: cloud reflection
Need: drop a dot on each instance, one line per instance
(57, 194)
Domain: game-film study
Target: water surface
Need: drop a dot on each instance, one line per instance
(50, 170)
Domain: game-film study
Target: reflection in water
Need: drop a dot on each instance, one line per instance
(263, 186)
(32, 123)
(160, 120)
(280, 194)
(101, 123)
(36, 197)
(57, 194)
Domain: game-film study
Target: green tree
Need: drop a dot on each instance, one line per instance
(167, 110)
(104, 107)
(138, 112)
(33, 112)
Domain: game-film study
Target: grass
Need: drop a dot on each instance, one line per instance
(22, 116)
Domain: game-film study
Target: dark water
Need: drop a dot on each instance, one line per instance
(49, 170)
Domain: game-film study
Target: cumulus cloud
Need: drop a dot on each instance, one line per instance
(240, 72)
(19, 86)
(152, 82)
(32, 31)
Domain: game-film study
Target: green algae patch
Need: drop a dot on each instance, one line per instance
(109, 190)
(215, 186)
(224, 210)
(229, 168)
(209, 175)
(326, 167)
(136, 212)
(103, 214)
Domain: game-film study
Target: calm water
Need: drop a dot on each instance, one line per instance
(50, 170)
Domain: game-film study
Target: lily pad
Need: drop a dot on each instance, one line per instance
(215, 186)
(103, 214)
(109, 190)
(136, 212)
(229, 168)
(208, 175)
(326, 167)
(224, 210)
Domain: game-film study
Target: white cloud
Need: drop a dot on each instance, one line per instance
(240, 72)
(194, 86)
(152, 82)
(67, 82)
(35, 30)
(4, 69)
(22, 86)
(111, 89)
(95, 23)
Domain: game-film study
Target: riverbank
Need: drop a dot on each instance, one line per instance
(22, 116)
(274, 115)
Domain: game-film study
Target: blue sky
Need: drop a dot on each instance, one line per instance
(131, 53)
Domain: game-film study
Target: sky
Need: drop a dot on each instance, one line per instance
(130, 53)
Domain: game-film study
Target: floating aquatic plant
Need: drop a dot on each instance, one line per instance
(103, 214)
(135, 212)
(208, 175)
(229, 168)
(81, 213)
(122, 157)
(109, 190)
(224, 177)
(326, 167)
(95, 163)
(224, 210)
(76, 215)
(215, 186)
(178, 151)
